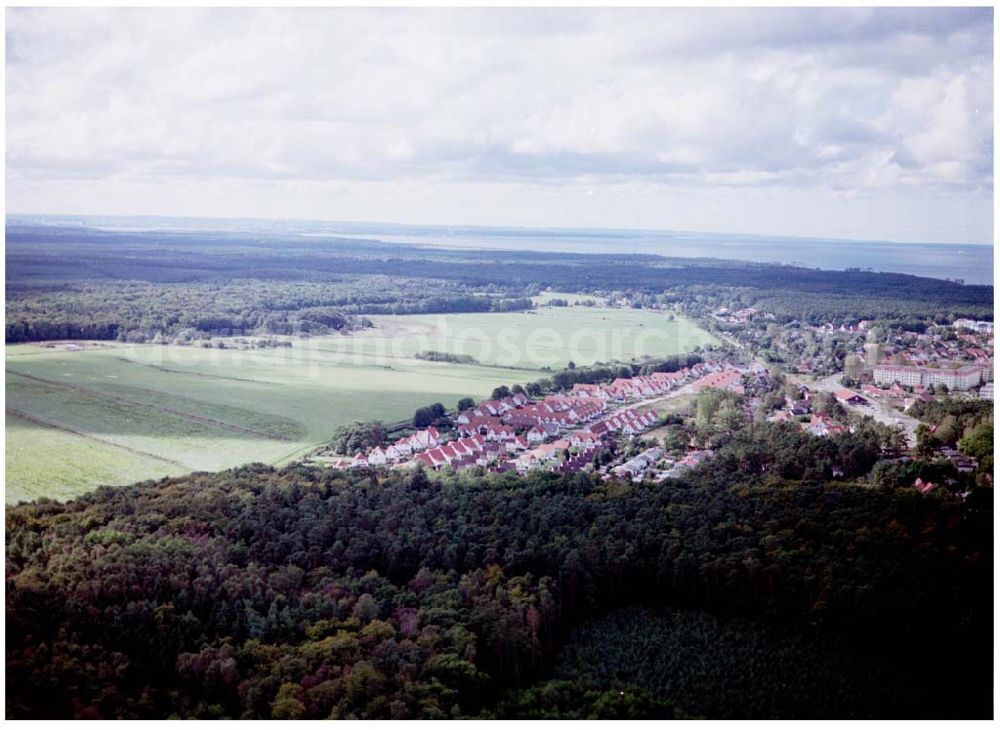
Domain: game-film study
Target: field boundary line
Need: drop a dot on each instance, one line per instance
(60, 427)
(140, 404)
(161, 368)
(350, 353)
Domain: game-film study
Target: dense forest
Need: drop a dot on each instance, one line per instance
(669, 663)
(181, 312)
(752, 587)
(74, 282)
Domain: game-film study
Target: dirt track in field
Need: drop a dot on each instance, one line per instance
(140, 404)
(60, 427)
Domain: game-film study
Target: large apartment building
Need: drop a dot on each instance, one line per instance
(974, 325)
(961, 379)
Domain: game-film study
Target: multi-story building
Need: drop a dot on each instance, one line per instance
(976, 326)
(889, 374)
(960, 379)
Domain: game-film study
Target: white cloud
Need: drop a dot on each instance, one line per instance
(821, 104)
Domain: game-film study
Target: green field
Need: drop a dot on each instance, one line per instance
(548, 337)
(570, 297)
(116, 413)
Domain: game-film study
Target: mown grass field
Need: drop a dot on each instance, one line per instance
(546, 337)
(116, 413)
(570, 297)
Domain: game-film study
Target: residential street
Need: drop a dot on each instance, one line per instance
(878, 410)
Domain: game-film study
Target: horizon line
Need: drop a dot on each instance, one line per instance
(486, 227)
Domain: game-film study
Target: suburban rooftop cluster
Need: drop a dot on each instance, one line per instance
(560, 432)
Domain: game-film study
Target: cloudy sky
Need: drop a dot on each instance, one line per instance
(872, 124)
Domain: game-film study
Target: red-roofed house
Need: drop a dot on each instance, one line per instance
(518, 443)
(598, 428)
(437, 457)
(426, 459)
(849, 396)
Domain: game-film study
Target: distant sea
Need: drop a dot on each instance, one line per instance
(970, 263)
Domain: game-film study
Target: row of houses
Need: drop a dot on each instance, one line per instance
(401, 450)
(727, 379)
(492, 421)
(572, 452)
(517, 432)
(404, 447)
(705, 375)
(640, 386)
(536, 421)
(521, 404)
(584, 442)
(494, 407)
(461, 453)
(638, 464)
(497, 431)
